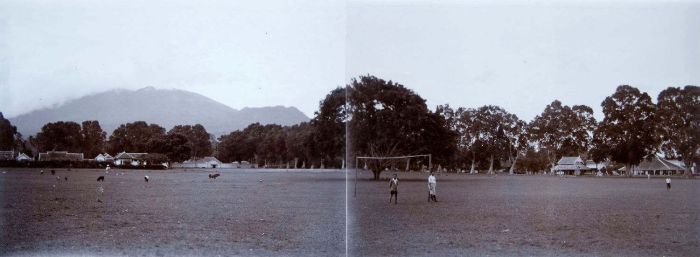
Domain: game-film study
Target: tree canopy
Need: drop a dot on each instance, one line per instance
(563, 130)
(678, 123)
(627, 133)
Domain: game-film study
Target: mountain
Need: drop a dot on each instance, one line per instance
(165, 107)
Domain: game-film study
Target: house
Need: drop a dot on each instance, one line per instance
(23, 157)
(105, 157)
(7, 155)
(133, 159)
(570, 165)
(210, 162)
(205, 162)
(658, 166)
(60, 156)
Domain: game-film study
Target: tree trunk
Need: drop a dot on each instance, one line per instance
(628, 170)
(491, 165)
(512, 165)
(472, 171)
(376, 174)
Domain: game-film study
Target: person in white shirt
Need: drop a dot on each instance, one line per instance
(394, 186)
(432, 183)
(668, 183)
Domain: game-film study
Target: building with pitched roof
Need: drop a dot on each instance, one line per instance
(570, 165)
(104, 157)
(658, 166)
(133, 159)
(60, 156)
(7, 155)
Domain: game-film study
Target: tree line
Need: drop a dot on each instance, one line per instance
(374, 117)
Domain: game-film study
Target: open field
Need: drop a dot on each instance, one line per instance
(525, 216)
(177, 213)
(304, 214)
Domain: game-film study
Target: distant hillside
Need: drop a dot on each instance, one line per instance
(164, 107)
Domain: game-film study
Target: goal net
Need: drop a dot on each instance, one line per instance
(418, 162)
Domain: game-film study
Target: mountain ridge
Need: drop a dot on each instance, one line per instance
(165, 107)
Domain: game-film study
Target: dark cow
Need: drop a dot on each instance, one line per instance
(214, 176)
(101, 178)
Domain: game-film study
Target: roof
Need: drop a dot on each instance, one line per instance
(657, 164)
(23, 156)
(125, 155)
(204, 159)
(7, 155)
(105, 156)
(211, 159)
(569, 160)
(578, 166)
(60, 156)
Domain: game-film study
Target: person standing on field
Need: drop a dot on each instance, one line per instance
(668, 183)
(432, 183)
(394, 186)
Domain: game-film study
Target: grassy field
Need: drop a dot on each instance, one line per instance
(177, 213)
(184, 213)
(525, 216)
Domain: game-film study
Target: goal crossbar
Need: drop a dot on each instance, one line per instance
(358, 158)
(392, 157)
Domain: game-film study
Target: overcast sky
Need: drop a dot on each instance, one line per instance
(522, 57)
(241, 53)
(292, 53)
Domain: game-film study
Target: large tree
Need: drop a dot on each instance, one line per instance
(174, 146)
(467, 135)
(8, 135)
(627, 133)
(134, 137)
(495, 132)
(299, 142)
(244, 145)
(678, 116)
(562, 130)
(198, 137)
(387, 119)
(328, 126)
(92, 138)
(60, 136)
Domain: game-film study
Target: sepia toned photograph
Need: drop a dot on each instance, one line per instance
(349, 128)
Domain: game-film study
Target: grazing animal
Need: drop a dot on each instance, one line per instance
(101, 178)
(41, 172)
(66, 178)
(53, 172)
(145, 178)
(58, 177)
(214, 176)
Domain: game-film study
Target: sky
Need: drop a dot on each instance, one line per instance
(523, 56)
(519, 55)
(240, 53)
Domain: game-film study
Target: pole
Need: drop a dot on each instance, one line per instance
(356, 167)
(430, 162)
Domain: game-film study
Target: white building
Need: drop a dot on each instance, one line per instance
(570, 165)
(105, 157)
(23, 157)
(205, 162)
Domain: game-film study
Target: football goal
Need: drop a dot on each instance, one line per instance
(378, 163)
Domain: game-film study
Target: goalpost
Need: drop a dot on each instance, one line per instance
(380, 158)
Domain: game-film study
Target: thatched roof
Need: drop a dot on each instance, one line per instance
(657, 163)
